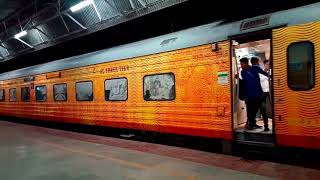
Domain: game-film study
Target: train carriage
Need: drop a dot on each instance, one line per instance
(184, 83)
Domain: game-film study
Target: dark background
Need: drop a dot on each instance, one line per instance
(182, 16)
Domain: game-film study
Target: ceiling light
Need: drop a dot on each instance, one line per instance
(81, 5)
(20, 34)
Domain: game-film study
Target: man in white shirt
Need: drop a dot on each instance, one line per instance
(264, 81)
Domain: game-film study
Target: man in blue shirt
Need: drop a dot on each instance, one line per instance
(253, 90)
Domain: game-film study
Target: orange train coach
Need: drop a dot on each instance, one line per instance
(185, 83)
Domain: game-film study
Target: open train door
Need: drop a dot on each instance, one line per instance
(255, 44)
(296, 68)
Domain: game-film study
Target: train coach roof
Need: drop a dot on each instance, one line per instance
(200, 35)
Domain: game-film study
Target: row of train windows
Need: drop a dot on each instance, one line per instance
(157, 87)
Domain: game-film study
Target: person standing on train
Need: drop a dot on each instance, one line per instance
(264, 81)
(253, 89)
(257, 71)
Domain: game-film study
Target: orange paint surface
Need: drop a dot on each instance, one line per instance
(297, 113)
(202, 106)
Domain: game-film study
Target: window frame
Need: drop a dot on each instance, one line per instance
(9, 95)
(35, 93)
(4, 95)
(114, 79)
(29, 94)
(54, 99)
(313, 69)
(91, 88)
(174, 81)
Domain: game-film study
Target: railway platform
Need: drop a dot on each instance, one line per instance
(33, 153)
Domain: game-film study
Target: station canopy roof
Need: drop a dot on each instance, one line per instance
(30, 25)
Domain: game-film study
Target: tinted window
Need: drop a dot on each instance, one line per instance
(13, 94)
(25, 94)
(60, 92)
(84, 91)
(2, 95)
(159, 87)
(41, 93)
(301, 75)
(116, 89)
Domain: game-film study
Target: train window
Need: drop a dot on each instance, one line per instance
(84, 91)
(116, 89)
(2, 95)
(301, 66)
(60, 92)
(25, 94)
(13, 94)
(41, 93)
(159, 87)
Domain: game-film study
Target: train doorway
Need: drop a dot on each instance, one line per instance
(252, 46)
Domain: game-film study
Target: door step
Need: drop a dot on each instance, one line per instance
(256, 143)
(254, 138)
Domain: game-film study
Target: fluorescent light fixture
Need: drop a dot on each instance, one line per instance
(20, 34)
(81, 5)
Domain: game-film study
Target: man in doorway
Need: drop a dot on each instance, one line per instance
(253, 90)
(264, 81)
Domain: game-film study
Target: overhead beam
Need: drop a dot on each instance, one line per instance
(39, 30)
(1, 56)
(64, 23)
(96, 9)
(25, 43)
(132, 4)
(74, 20)
(40, 35)
(5, 27)
(142, 3)
(5, 48)
(114, 8)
